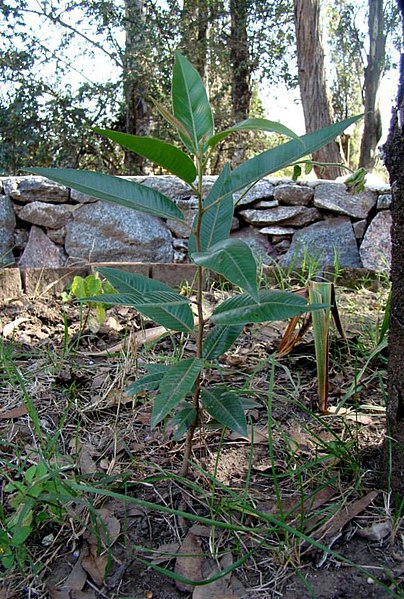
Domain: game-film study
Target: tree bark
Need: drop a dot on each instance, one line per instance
(372, 130)
(393, 460)
(136, 110)
(239, 60)
(195, 27)
(312, 82)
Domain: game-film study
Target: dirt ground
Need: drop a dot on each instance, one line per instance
(293, 511)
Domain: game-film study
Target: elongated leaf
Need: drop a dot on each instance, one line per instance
(283, 155)
(216, 221)
(164, 154)
(114, 190)
(131, 282)
(274, 305)
(190, 102)
(253, 125)
(226, 407)
(219, 340)
(321, 292)
(175, 385)
(148, 382)
(170, 118)
(183, 420)
(233, 259)
(168, 309)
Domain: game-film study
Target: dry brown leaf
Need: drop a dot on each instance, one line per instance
(108, 529)
(10, 327)
(227, 587)
(335, 524)
(259, 437)
(95, 565)
(292, 505)
(14, 413)
(166, 553)
(376, 532)
(133, 341)
(76, 579)
(199, 530)
(189, 562)
(86, 461)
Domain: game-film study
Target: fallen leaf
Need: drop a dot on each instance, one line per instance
(85, 460)
(337, 522)
(10, 327)
(165, 553)
(76, 579)
(95, 565)
(108, 529)
(189, 562)
(259, 436)
(296, 503)
(227, 587)
(14, 413)
(376, 532)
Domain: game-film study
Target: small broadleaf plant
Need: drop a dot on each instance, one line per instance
(181, 388)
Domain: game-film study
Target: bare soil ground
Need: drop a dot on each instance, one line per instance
(297, 508)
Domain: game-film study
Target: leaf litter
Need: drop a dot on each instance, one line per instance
(79, 393)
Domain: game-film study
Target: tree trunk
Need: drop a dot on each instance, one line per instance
(372, 130)
(312, 82)
(239, 60)
(195, 27)
(240, 72)
(136, 111)
(393, 460)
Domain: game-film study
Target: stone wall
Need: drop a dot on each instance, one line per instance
(45, 225)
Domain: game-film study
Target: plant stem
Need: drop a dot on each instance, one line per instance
(199, 339)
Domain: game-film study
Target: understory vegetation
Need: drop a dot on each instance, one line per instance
(203, 444)
(92, 498)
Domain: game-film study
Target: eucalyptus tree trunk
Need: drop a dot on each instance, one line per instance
(240, 73)
(392, 465)
(372, 130)
(239, 60)
(316, 102)
(136, 111)
(195, 19)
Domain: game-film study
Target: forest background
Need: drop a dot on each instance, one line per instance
(69, 65)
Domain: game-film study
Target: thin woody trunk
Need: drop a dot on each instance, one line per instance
(372, 130)
(392, 465)
(312, 82)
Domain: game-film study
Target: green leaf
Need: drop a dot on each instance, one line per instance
(160, 152)
(92, 285)
(166, 308)
(253, 125)
(285, 154)
(190, 102)
(114, 190)
(148, 382)
(78, 289)
(226, 407)
(183, 420)
(132, 282)
(219, 340)
(177, 382)
(233, 259)
(216, 221)
(170, 118)
(273, 305)
(20, 535)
